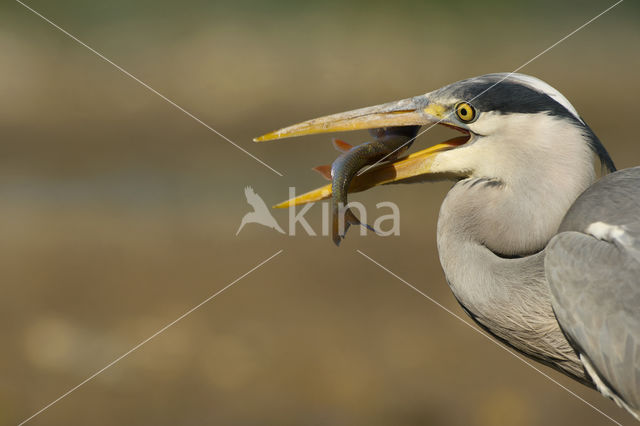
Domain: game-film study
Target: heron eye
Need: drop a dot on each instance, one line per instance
(465, 112)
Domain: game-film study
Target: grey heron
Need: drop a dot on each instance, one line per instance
(540, 256)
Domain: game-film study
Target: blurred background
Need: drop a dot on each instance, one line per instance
(119, 212)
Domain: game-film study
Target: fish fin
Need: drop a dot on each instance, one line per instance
(341, 145)
(324, 170)
(349, 219)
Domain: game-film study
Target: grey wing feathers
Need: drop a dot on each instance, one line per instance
(596, 297)
(593, 270)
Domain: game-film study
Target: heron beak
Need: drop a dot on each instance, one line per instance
(407, 112)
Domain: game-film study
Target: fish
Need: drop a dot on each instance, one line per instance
(388, 144)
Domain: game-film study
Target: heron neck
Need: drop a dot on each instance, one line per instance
(518, 189)
(508, 296)
(491, 240)
(482, 279)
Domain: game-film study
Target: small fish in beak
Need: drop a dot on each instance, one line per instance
(394, 125)
(388, 144)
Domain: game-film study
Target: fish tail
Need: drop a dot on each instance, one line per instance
(349, 219)
(335, 229)
(353, 220)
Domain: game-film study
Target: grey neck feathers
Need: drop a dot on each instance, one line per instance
(492, 232)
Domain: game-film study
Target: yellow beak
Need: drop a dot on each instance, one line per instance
(407, 112)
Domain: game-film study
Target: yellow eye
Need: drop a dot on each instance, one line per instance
(465, 112)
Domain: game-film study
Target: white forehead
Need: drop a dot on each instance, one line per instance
(540, 86)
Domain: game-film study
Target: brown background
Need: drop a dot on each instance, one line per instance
(118, 212)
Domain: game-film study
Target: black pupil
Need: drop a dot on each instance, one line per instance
(463, 111)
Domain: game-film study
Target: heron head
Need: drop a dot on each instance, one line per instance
(514, 127)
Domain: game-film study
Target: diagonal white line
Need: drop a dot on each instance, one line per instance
(151, 89)
(163, 329)
(564, 38)
(423, 294)
(493, 85)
